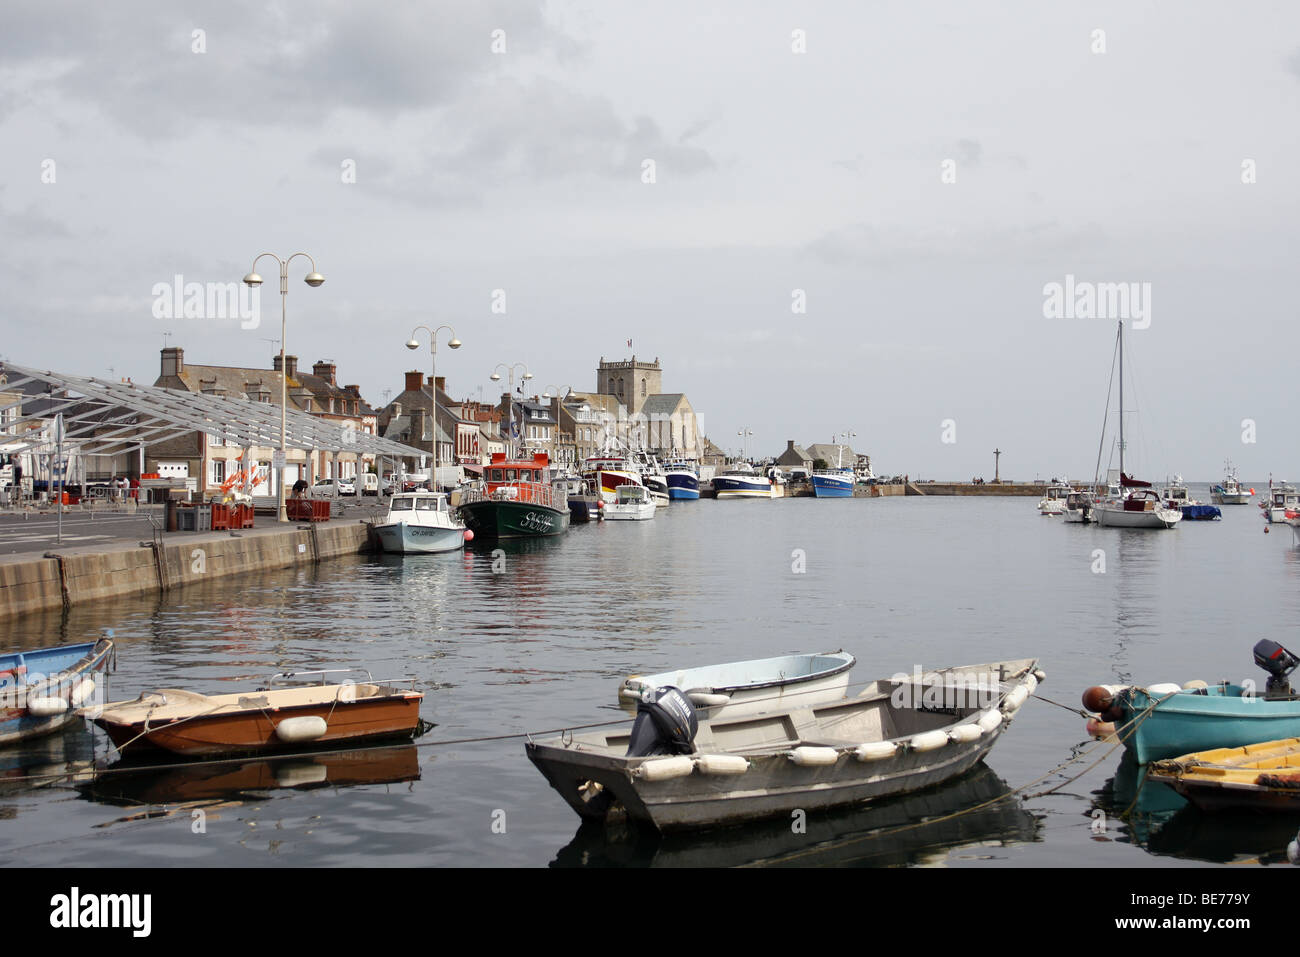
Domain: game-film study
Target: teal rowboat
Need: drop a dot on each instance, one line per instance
(1157, 726)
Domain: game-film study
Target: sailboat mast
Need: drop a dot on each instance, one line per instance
(1121, 406)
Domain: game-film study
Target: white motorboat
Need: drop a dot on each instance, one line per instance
(1230, 491)
(1282, 496)
(632, 503)
(1175, 495)
(420, 523)
(752, 687)
(1078, 507)
(674, 770)
(1053, 500)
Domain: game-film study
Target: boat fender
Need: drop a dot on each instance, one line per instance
(1100, 729)
(1040, 674)
(929, 741)
(1031, 682)
(296, 730)
(81, 692)
(876, 750)
(1012, 702)
(808, 756)
(1196, 684)
(46, 707)
(1164, 688)
(469, 535)
(988, 722)
(631, 688)
(964, 733)
(662, 769)
(704, 699)
(721, 764)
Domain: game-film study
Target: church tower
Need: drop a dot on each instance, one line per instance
(632, 382)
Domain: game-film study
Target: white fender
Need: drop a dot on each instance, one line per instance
(876, 750)
(297, 730)
(1195, 685)
(1031, 682)
(989, 721)
(46, 707)
(703, 699)
(811, 757)
(721, 764)
(81, 692)
(1011, 704)
(661, 769)
(1164, 688)
(964, 733)
(929, 740)
(1040, 674)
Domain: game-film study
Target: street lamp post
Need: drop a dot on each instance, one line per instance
(845, 436)
(548, 394)
(455, 343)
(312, 279)
(743, 433)
(510, 408)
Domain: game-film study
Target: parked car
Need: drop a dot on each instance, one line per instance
(326, 487)
(368, 483)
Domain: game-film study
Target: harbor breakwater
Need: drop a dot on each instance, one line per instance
(76, 576)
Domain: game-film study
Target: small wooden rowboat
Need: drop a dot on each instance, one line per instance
(752, 687)
(674, 771)
(269, 720)
(1263, 776)
(41, 690)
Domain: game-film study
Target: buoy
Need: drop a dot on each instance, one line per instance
(1265, 529)
(469, 535)
(661, 769)
(876, 750)
(989, 720)
(1098, 698)
(295, 730)
(81, 692)
(964, 733)
(721, 764)
(929, 741)
(46, 707)
(811, 757)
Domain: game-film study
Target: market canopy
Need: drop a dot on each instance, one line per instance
(107, 418)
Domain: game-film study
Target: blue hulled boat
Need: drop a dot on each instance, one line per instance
(1165, 721)
(41, 690)
(683, 479)
(833, 483)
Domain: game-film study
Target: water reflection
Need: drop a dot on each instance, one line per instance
(911, 829)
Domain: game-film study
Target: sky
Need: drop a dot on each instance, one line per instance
(820, 217)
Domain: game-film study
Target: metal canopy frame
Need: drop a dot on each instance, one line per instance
(109, 418)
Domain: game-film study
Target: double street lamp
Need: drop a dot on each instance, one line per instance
(743, 433)
(253, 280)
(413, 343)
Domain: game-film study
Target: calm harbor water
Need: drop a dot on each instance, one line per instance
(542, 644)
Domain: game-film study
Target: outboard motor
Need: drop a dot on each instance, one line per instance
(665, 724)
(1279, 663)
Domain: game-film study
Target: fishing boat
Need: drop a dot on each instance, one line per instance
(1137, 505)
(283, 715)
(751, 687)
(1263, 776)
(1175, 495)
(1167, 720)
(1054, 496)
(42, 689)
(421, 523)
(1230, 490)
(1078, 507)
(632, 503)
(1282, 496)
(834, 483)
(673, 770)
(515, 500)
(742, 481)
(608, 470)
(683, 477)
(584, 503)
(653, 477)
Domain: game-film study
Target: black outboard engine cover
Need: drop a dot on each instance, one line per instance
(665, 724)
(1279, 663)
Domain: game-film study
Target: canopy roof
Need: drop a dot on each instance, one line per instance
(107, 418)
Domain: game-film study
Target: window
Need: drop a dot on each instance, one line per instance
(643, 388)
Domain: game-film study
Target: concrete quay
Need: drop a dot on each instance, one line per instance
(71, 576)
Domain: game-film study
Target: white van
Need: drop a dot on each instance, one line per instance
(367, 483)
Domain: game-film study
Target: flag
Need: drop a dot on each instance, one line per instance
(629, 343)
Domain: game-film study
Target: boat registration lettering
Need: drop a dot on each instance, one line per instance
(535, 523)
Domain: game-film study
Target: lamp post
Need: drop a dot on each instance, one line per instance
(413, 343)
(312, 279)
(846, 436)
(743, 433)
(548, 394)
(510, 408)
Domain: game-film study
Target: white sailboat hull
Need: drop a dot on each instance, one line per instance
(1113, 516)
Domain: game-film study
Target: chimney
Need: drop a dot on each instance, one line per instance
(173, 361)
(354, 389)
(789, 445)
(291, 366)
(324, 370)
(413, 381)
(275, 363)
(441, 383)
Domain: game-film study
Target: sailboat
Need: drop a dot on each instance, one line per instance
(1134, 503)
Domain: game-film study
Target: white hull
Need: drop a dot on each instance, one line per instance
(1113, 516)
(404, 538)
(1051, 507)
(628, 512)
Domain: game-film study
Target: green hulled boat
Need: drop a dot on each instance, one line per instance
(516, 500)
